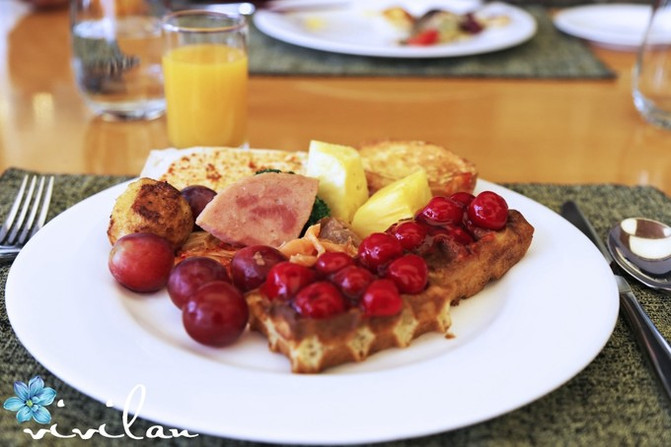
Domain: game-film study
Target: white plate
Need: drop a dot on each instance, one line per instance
(619, 26)
(519, 339)
(352, 31)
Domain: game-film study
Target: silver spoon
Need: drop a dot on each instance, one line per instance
(642, 247)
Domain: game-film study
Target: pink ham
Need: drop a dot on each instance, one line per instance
(266, 209)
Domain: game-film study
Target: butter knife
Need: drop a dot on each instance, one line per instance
(647, 335)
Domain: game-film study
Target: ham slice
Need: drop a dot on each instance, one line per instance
(266, 209)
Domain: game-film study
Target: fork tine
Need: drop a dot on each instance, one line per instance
(33, 212)
(13, 210)
(46, 203)
(22, 212)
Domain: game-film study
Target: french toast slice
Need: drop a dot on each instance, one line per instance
(389, 160)
(455, 273)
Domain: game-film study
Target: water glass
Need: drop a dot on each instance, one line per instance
(117, 49)
(205, 69)
(652, 74)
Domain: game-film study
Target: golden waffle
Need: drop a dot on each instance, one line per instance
(313, 345)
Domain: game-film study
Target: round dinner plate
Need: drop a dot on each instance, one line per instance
(350, 31)
(520, 338)
(617, 26)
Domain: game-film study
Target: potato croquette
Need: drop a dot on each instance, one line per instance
(151, 206)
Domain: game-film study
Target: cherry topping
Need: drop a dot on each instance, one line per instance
(441, 211)
(453, 232)
(378, 249)
(352, 280)
(286, 278)
(465, 198)
(381, 299)
(488, 210)
(409, 272)
(332, 261)
(410, 234)
(319, 300)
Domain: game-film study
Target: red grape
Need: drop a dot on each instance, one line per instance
(191, 274)
(250, 265)
(216, 314)
(197, 197)
(141, 261)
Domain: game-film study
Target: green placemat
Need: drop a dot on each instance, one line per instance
(615, 400)
(549, 54)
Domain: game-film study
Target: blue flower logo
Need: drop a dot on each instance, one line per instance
(30, 401)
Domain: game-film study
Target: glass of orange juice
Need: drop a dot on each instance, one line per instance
(205, 77)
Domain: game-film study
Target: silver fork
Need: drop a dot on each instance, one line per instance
(23, 220)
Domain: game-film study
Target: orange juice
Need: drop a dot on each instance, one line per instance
(206, 95)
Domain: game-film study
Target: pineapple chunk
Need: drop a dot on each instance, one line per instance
(342, 181)
(396, 201)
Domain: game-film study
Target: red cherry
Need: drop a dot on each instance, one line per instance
(488, 210)
(352, 280)
(465, 198)
(441, 211)
(378, 249)
(409, 272)
(319, 300)
(381, 299)
(332, 261)
(453, 232)
(410, 234)
(286, 278)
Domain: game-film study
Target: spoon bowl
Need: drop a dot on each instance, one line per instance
(642, 248)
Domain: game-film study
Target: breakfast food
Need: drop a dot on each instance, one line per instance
(342, 180)
(217, 168)
(325, 288)
(151, 206)
(389, 160)
(438, 26)
(353, 331)
(268, 208)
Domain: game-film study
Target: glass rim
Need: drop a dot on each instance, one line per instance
(239, 21)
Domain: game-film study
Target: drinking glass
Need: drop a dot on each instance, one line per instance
(205, 70)
(117, 49)
(652, 73)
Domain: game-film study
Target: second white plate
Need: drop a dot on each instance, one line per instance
(617, 26)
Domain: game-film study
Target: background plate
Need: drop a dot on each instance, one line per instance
(619, 26)
(520, 338)
(351, 32)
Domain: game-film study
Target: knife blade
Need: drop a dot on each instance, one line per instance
(650, 340)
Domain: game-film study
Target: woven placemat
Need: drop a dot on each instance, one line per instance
(549, 54)
(615, 400)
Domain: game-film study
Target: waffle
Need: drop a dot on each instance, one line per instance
(455, 273)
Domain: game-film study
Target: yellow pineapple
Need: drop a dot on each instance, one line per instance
(342, 181)
(396, 201)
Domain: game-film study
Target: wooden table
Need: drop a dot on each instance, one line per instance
(515, 130)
